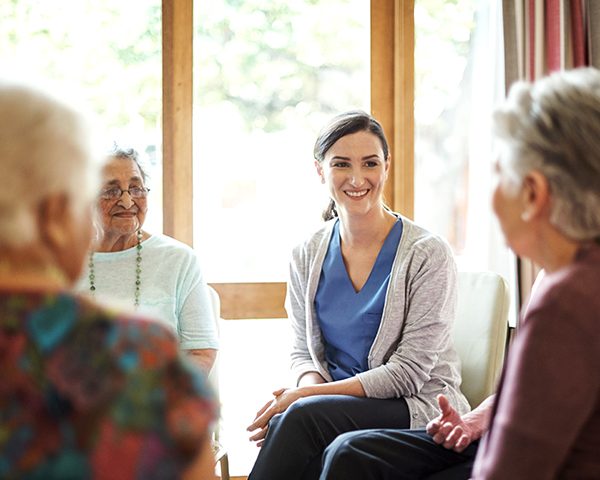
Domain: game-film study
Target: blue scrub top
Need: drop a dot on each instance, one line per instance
(348, 319)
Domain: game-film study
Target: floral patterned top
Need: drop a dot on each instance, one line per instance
(89, 393)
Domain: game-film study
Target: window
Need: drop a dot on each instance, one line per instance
(459, 76)
(106, 56)
(267, 76)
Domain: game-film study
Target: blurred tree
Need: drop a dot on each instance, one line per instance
(109, 51)
(269, 59)
(443, 102)
(443, 35)
(265, 57)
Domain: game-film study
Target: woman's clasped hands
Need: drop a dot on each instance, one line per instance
(284, 397)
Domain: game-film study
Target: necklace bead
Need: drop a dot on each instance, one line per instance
(92, 276)
(138, 271)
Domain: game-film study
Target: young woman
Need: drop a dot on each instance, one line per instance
(371, 298)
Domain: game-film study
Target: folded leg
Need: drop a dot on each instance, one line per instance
(394, 455)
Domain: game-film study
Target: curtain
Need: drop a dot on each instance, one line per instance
(540, 37)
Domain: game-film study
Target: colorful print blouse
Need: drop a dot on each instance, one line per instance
(88, 393)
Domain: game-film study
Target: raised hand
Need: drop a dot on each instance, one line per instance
(449, 429)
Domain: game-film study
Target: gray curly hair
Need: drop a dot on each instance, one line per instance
(553, 126)
(127, 152)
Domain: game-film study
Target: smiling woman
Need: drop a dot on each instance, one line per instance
(371, 298)
(355, 182)
(121, 216)
(153, 272)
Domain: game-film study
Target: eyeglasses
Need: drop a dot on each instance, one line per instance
(114, 193)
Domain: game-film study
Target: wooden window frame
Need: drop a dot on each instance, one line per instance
(392, 100)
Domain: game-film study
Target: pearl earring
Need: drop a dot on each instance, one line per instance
(525, 216)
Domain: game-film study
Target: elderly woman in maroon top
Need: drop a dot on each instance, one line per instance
(547, 420)
(544, 422)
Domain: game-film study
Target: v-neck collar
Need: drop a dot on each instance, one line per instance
(388, 249)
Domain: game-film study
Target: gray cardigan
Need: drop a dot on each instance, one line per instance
(412, 355)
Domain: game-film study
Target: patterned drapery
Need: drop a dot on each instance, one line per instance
(540, 37)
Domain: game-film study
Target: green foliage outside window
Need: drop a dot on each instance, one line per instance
(109, 49)
(272, 59)
(261, 56)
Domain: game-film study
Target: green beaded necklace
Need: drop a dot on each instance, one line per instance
(138, 271)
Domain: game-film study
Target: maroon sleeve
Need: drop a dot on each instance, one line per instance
(547, 412)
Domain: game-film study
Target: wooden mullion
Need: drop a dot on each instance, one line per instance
(177, 36)
(392, 94)
(404, 100)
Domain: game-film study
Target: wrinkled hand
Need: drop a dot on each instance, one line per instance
(449, 429)
(284, 397)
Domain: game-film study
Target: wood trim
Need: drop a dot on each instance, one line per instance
(177, 37)
(382, 80)
(392, 94)
(241, 301)
(404, 96)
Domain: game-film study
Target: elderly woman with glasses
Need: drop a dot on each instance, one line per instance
(137, 269)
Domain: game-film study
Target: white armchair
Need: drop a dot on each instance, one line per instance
(480, 332)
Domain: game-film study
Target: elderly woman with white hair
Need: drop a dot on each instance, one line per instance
(84, 392)
(544, 421)
(130, 266)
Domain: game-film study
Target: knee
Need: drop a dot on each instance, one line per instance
(304, 416)
(301, 411)
(342, 446)
(298, 426)
(340, 459)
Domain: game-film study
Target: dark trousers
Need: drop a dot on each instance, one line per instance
(394, 455)
(296, 439)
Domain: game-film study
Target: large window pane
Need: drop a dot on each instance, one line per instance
(459, 78)
(268, 74)
(104, 55)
